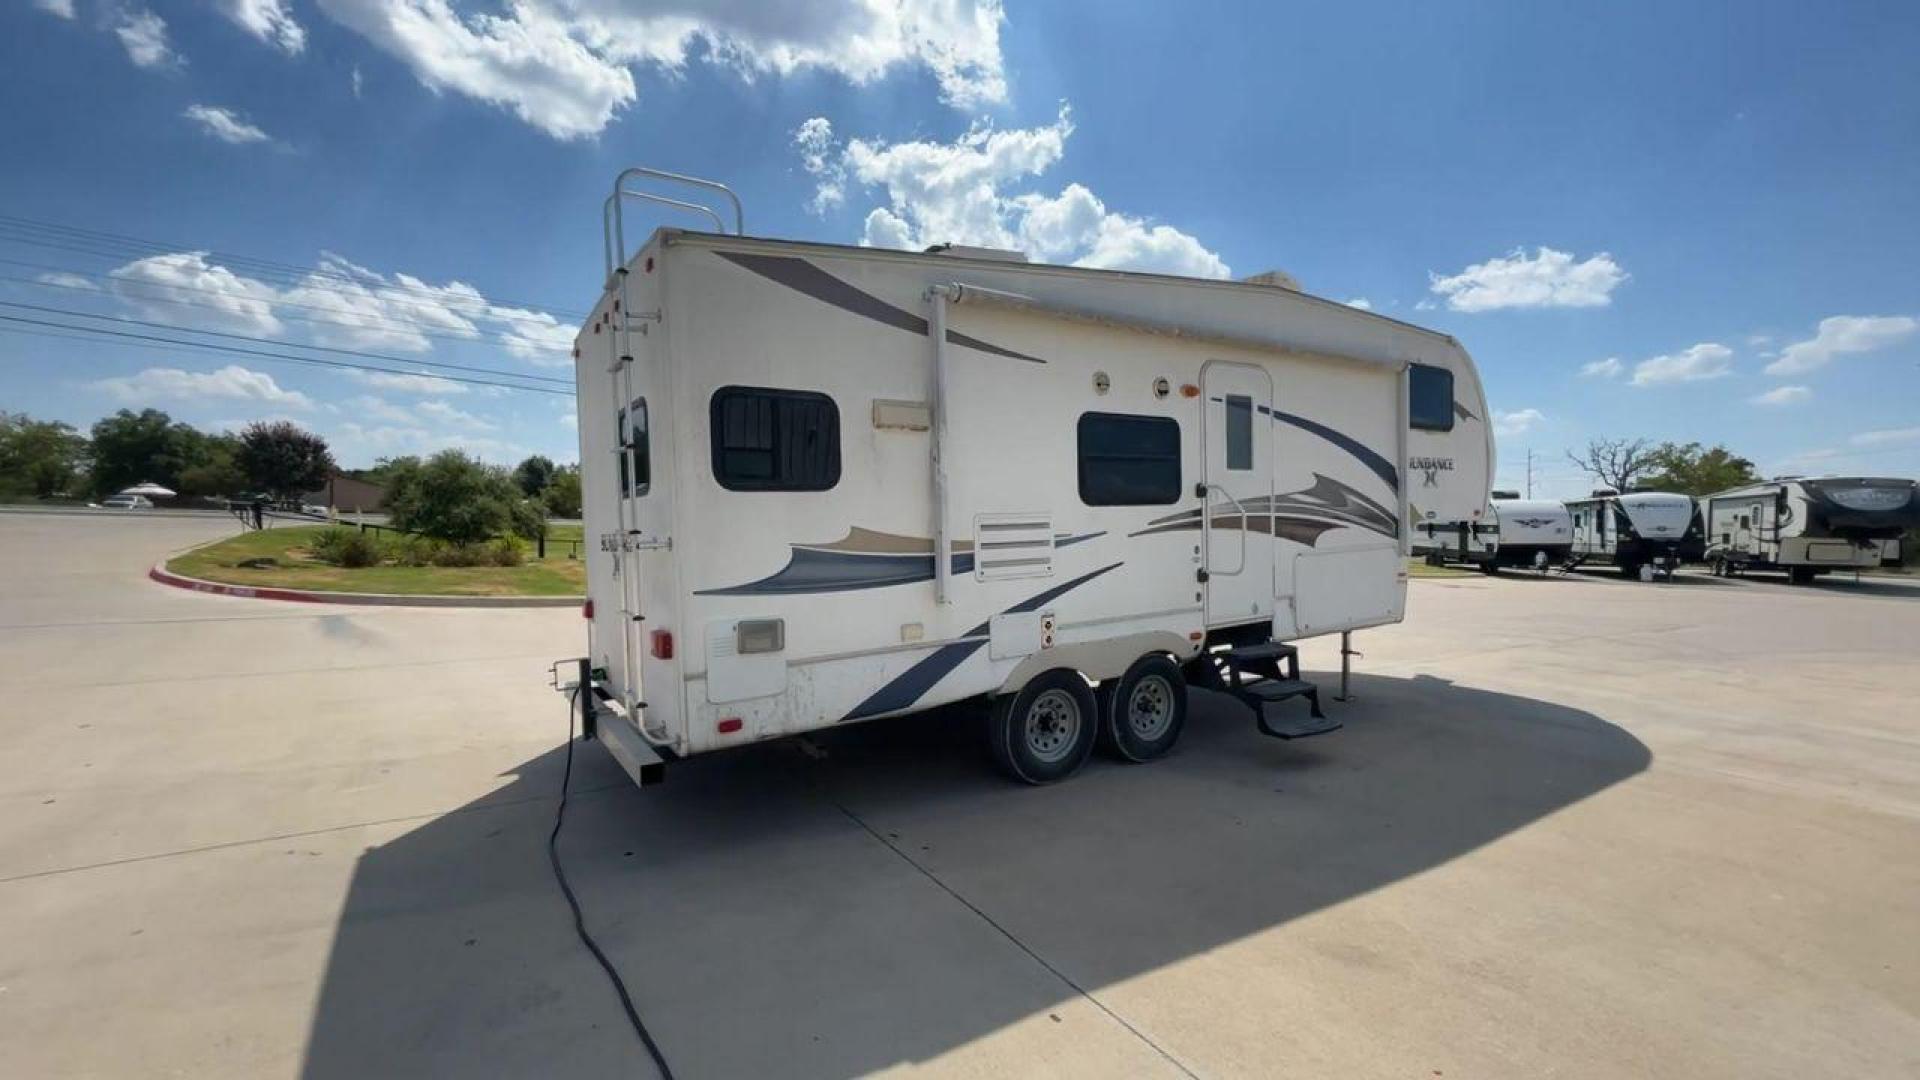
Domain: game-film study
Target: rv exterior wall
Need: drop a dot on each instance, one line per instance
(848, 571)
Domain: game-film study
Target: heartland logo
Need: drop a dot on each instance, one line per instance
(1430, 469)
(1533, 523)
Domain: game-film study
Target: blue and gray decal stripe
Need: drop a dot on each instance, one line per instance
(803, 277)
(912, 684)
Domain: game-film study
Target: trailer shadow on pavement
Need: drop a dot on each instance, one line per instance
(889, 898)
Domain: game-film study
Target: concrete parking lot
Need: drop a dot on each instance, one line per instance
(1573, 827)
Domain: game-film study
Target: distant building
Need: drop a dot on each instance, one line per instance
(349, 494)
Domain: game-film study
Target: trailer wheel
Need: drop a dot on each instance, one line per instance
(1801, 575)
(1045, 732)
(1143, 711)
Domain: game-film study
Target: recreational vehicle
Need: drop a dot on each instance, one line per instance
(1534, 533)
(828, 484)
(1644, 533)
(1807, 526)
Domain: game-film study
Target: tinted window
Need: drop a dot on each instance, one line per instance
(774, 440)
(1239, 432)
(1430, 397)
(636, 465)
(1129, 460)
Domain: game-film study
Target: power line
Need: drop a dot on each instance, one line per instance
(269, 341)
(26, 228)
(276, 357)
(394, 323)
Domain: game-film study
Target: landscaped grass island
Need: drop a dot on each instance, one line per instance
(296, 566)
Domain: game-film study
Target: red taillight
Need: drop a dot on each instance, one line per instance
(729, 725)
(662, 644)
(586, 609)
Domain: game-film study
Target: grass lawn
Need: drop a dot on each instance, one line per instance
(1419, 568)
(556, 575)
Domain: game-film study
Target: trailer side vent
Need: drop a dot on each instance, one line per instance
(1012, 546)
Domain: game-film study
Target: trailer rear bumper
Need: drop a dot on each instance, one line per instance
(635, 754)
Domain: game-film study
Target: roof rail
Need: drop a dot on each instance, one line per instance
(613, 238)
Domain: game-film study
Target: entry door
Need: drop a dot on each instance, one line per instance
(1237, 522)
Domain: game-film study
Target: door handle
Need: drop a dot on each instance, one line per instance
(1206, 512)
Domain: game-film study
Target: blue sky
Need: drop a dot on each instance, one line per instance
(1697, 193)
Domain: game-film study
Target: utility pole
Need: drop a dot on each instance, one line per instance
(1529, 472)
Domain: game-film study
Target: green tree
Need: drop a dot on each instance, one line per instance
(533, 475)
(39, 457)
(451, 497)
(1691, 469)
(218, 473)
(563, 495)
(283, 459)
(130, 447)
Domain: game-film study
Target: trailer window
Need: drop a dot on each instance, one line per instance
(635, 478)
(1239, 432)
(774, 440)
(1129, 460)
(1430, 397)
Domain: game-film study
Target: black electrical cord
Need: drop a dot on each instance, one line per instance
(579, 921)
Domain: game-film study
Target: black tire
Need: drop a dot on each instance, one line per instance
(1801, 575)
(1143, 711)
(1630, 571)
(1490, 568)
(1045, 732)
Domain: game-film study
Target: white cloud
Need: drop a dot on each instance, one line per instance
(1887, 437)
(1707, 360)
(144, 35)
(820, 158)
(1547, 279)
(357, 82)
(62, 8)
(421, 383)
(444, 413)
(356, 442)
(222, 124)
(211, 292)
(1841, 335)
(1782, 395)
(1517, 423)
(564, 66)
(269, 20)
(232, 382)
(341, 304)
(376, 408)
(68, 281)
(570, 421)
(1609, 368)
(1759, 341)
(956, 193)
(1360, 302)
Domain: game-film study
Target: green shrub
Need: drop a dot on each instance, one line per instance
(504, 552)
(460, 555)
(329, 543)
(346, 547)
(407, 550)
(360, 550)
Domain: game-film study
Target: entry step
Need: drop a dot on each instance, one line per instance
(1253, 654)
(1270, 690)
(1296, 726)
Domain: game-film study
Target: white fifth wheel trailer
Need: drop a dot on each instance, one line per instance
(1807, 526)
(1644, 533)
(827, 484)
(1534, 533)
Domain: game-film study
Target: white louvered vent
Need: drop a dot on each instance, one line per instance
(1012, 545)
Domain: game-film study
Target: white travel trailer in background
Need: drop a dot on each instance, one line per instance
(825, 484)
(1534, 533)
(1807, 526)
(1642, 532)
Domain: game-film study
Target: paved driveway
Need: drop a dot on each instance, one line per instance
(1573, 827)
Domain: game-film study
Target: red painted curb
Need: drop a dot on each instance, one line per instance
(161, 574)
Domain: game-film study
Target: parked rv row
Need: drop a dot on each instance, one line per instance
(1799, 526)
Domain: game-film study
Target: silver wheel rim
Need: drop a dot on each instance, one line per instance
(1150, 708)
(1052, 725)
